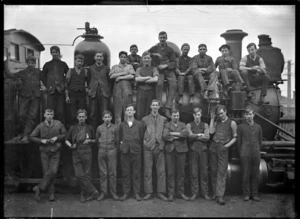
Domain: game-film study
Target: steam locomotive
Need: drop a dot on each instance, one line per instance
(277, 152)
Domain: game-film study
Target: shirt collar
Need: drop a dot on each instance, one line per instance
(253, 58)
(122, 65)
(49, 124)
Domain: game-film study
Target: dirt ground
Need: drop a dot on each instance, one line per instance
(67, 205)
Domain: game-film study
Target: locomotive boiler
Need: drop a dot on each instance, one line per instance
(277, 152)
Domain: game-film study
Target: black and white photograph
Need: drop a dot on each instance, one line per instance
(143, 110)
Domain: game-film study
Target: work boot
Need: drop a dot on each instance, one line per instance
(192, 99)
(220, 201)
(246, 198)
(255, 198)
(51, 197)
(37, 191)
(170, 198)
(82, 198)
(184, 197)
(124, 197)
(162, 197)
(193, 197)
(93, 196)
(180, 101)
(262, 100)
(207, 198)
(138, 197)
(115, 197)
(147, 197)
(101, 196)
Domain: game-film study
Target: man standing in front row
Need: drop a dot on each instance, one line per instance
(166, 69)
(154, 153)
(131, 134)
(79, 139)
(53, 77)
(198, 136)
(175, 134)
(249, 143)
(225, 134)
(254, 66)
(49, 134)
(122, 94)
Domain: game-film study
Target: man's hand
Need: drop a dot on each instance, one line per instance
(68, 99)
(229, 69)
(44, 141)
(53, 140)
(212, 115)
(256, 67)
(161, 67)
(73, 146)
(118, 79)
(182, 73)
(157, 54)
(86, 141)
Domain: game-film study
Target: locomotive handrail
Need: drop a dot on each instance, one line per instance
(281, 129)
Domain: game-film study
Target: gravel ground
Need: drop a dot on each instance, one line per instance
(68, 205)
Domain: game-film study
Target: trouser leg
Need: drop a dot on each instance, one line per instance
(246, 166)
(126, 179)
(24, 103)
(203, 167)
(136, 161)
(255, 174)
(213, 164)
(199, 78)
(264, 86)
(180, 85)
(117, 105)
(148, 165)
(172, 88)
(160, 170)
(191, 84)
(53, 166)
(236, 76)
(222, 154)
(93, 112)
(112, 171)
(193, 162)
(180, 166)
(73, 106)
(141, 103)
(81, 100)
(32, 115)
(159, 86)
(102, 164)
(170, 161)
(213, 78)
(59, 109)
(245, 77)
(224, 76)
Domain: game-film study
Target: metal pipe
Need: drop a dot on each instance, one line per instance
(272, 123)
(278, 143)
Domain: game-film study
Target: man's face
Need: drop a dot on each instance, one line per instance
(175, 117)
(79, 63)
(55, 54)
(197, 117)
(31, 64)
(99, 58)
(107, 118)
(133, 50)
(222, 114)
(162, 38)
(154, 107)
(249, 116)
(147, 60)
(225, 52)
(130, 111)
(185, 50)
(251, 51)
(123, 58)
(49, 115)
(202, 50)
(81, 118)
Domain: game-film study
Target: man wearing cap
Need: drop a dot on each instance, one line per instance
(254, 66)
(53, 77)
(249, 143)
(166, 67)
(228, 68)
(76, 83)
(134, 59)
(203, 67)
(29, 100)
(99, 89)
(198, 137)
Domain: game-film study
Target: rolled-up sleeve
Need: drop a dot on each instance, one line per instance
(234, 129)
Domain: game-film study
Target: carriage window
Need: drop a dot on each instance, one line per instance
(30, 52)
(14, 52)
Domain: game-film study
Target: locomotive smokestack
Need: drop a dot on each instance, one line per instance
(234, 40)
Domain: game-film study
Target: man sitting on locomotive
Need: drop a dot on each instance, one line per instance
(254, 66)
(203, 65)
(183, 71)
(29, 97)
(228, 68)
(134, 59)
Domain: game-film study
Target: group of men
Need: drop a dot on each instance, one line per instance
(164, 144)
